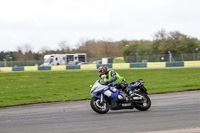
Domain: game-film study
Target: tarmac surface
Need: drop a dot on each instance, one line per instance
(170, 113)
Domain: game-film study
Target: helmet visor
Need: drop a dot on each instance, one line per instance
(101, 73)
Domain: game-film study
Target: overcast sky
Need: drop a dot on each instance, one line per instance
(43, 23)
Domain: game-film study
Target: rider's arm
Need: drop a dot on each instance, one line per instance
(114, 77)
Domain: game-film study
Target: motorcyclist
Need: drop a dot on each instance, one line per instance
(110, 76)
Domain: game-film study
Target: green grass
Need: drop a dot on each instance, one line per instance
(118, 61)
(18, 88)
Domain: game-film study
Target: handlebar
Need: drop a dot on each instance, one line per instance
(141, 80)
(99, 80)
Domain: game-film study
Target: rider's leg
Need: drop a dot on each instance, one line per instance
(129, 92)
(124, 86)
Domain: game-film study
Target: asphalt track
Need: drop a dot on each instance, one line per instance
(172, 112)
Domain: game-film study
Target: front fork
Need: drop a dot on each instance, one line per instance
(101, 100)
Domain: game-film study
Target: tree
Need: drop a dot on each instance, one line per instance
(19, 55)
(99, 48)
(174, 42)
(161, 35)
(24, 52)
(187, 45)
(137, 47)
(64, 47)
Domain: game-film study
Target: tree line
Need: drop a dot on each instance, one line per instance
(163, 41)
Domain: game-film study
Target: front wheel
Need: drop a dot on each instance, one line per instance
(99, 107)
(143, 104)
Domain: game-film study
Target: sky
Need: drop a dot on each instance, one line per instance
(45, 23)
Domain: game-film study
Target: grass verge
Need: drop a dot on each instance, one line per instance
(18, 88)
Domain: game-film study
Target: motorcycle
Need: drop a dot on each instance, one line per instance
(104, 95)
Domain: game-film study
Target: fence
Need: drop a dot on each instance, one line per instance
(128, 59)
(163, 57)
(11, 63)
(112, 65)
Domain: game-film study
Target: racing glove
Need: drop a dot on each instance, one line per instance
(106, 83)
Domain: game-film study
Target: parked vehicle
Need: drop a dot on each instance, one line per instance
(101, 103)
(63, 59)
(82, 63)
(97, 62)
(73, 62)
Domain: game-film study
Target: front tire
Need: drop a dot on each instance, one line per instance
(144, 104)
(98, 107)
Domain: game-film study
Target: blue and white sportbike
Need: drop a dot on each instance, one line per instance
(104, 97)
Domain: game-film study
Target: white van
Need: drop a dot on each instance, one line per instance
(63, 59)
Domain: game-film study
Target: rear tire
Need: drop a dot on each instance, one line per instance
(144, 104)
(98, 107)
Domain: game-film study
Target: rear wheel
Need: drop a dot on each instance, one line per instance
(99, 107)
(143, 104)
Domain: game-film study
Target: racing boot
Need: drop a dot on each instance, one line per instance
(129, 92)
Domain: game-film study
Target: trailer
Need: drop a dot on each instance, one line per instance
(63, 59)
